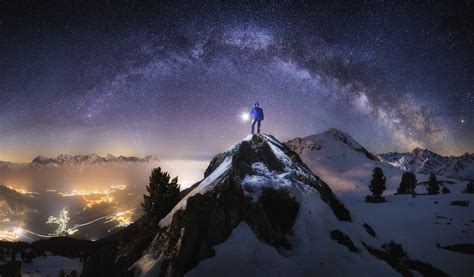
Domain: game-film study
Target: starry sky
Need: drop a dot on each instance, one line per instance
(173, 78)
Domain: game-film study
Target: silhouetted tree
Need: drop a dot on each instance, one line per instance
(377, 186)
(408, 183)
(163, 194)
(433, 185)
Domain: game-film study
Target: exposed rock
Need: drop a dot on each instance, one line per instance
(460, 203)
(397, 258)
(465, 248)
(469, 188)
(370, 230)
(344, 239)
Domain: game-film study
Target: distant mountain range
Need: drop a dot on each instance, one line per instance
(81, 160)
(425, 161)
(334, 144)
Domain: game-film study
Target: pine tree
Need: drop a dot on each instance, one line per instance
(433, 185)
(162, 194)
(407, 184)
(377, 184)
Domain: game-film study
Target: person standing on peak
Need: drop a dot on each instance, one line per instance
(257, 116)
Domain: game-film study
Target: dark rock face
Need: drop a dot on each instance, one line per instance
(344, 239)
(370, 230)
(337, 206)
(281, 210)
(469, 188)
(397, 258)
(209, 218)
(460, 203)
(465, 248)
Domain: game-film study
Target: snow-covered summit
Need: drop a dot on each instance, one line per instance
(334, 141)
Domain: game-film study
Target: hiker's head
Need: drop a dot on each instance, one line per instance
(257, 104)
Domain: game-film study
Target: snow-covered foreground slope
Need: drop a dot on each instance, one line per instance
(235, 223)
(51, 266)
(419, 224)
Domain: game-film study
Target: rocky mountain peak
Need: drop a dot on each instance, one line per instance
(257, 182)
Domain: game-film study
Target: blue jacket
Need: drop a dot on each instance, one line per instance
(257, 113)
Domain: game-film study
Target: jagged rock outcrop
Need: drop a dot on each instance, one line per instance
(244, 184)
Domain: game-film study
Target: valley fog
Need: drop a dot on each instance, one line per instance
(96, 199)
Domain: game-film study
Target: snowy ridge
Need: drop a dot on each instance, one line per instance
(334, 141)
(205, 185)
(79, 160)
(426, 162)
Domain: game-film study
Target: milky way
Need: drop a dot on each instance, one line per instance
(173, 80)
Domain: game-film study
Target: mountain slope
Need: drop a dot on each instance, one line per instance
(261, 211)
(419, 224)
(426, 162)
(332, 155)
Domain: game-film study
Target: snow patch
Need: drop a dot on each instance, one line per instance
(253, 184)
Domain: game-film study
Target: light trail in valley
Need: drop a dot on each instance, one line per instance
(123, 219)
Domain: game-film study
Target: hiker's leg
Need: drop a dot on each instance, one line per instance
(258, 126)
(253, 125)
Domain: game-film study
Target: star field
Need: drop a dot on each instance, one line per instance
(173, 78)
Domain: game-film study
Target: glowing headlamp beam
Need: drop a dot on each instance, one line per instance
(245, 117)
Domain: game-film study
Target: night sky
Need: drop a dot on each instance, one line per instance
(173, 79)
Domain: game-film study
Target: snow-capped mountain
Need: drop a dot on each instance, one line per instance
(90, 159)
(334, 140)
(426, 162)
(79, 160)
(334, 154)
(261, 211)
